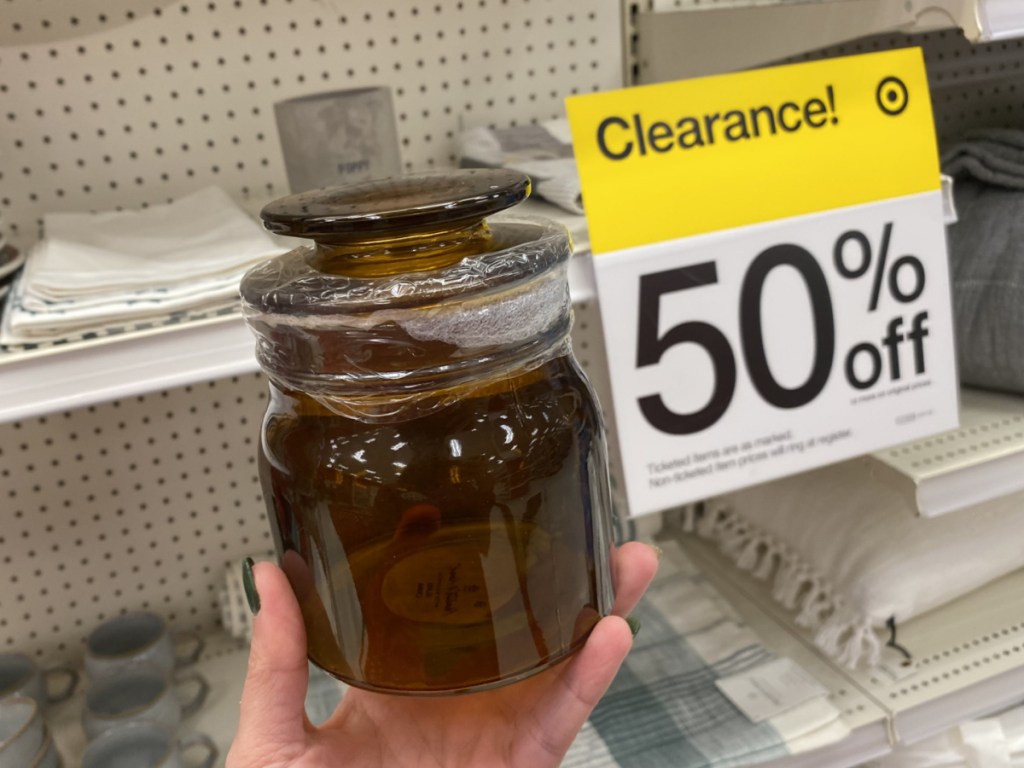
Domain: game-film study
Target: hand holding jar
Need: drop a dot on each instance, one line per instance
(527, 724)
(434, 465)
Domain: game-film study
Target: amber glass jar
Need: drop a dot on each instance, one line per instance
(432, 457)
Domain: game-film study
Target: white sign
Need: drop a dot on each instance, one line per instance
(748, 354)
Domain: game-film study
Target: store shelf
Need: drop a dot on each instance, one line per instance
(982, 460)
(723, 39)
(1000, 19)
(72, 376)
(969, 657)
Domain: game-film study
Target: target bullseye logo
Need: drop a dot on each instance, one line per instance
(892, 96)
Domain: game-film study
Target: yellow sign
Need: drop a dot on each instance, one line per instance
(660, 162)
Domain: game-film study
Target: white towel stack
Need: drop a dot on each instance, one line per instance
(105, 273)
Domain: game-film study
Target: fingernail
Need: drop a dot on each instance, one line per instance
(658, 551)
(634, 625)
(249, 583)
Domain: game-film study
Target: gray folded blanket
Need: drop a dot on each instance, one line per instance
(991, 155)
(986, 249)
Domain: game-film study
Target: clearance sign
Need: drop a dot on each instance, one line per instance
(771, 246)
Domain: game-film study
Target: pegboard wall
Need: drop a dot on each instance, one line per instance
(133, 504)
(107, 104)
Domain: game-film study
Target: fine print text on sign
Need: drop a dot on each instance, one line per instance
(771, 247)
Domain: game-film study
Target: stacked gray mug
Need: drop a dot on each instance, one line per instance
(26, 690)
(136, 698)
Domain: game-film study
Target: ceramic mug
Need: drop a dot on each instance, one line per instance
(138, 638)
(21, 676)
(22, 731)
(141, 693)
(146, 745)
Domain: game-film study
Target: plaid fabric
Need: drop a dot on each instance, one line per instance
(664, 709)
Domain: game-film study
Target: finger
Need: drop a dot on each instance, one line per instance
(559, 715)
(272, 711)
(634, 566)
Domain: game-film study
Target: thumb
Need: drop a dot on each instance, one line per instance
(556, 718)
(272, 717)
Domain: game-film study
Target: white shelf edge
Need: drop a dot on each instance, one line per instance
(1000, 19)
(978, 461)
(760, 34)
(79, 375)
(978, 700)
(869, 742)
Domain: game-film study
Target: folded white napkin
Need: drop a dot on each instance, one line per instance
(204, 234)
(101, 273)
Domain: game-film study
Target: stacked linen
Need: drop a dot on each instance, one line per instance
(852, 562)
(106, 273)
(986, 257)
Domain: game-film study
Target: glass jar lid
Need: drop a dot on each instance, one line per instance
(394, 206)
(370, 305)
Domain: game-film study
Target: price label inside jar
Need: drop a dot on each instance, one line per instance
(771, 267)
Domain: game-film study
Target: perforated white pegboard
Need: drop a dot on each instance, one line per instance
(133, 504)
(107, 104)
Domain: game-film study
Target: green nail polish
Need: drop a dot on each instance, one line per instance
(250, 586)
(634, 625)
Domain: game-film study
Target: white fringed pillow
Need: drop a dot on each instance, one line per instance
(847, 555)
